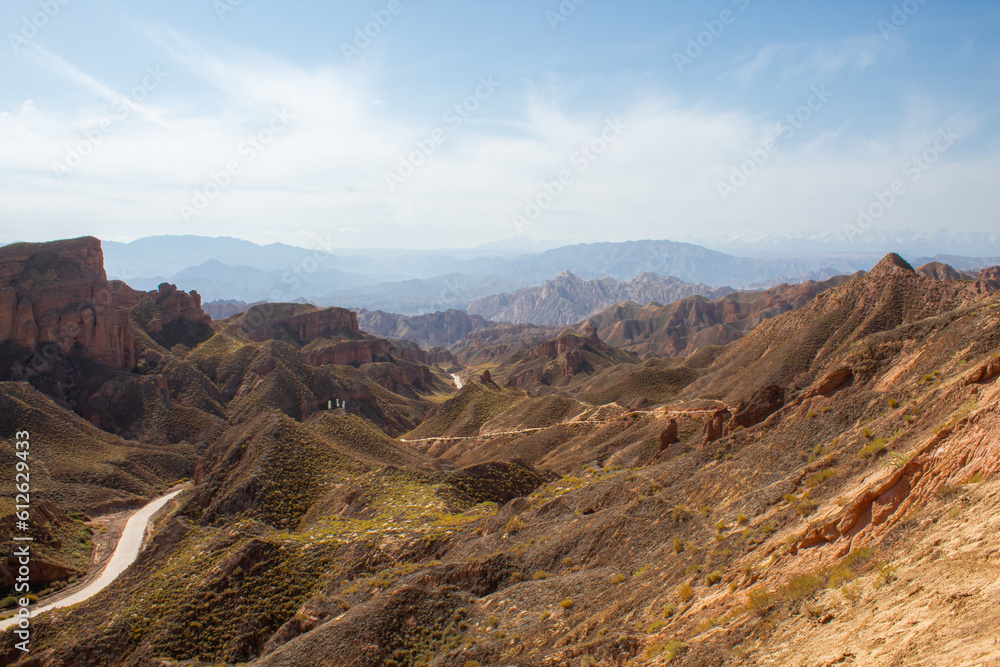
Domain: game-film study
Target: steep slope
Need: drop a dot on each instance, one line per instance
(821, 491)
(568, 299)
(789, 350)
(684, 326)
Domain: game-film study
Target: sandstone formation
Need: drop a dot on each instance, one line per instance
(348, 353)
(988, 280)
(302, 323)
(762, 404)
(669, 435)
(683, 327)
(58, 294)
(715, 426)
(170, 316)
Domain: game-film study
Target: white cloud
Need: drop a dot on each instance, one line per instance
(325, 175)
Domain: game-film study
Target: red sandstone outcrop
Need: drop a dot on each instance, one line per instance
(669, 435)
(762, 404)
(715, 427)
(832, 381)
(57, 293)
(348, 352)
(988, 280)
(682, 327)
(575, 363)
(303, 322)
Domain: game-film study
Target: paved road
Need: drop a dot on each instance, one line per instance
(125, 554)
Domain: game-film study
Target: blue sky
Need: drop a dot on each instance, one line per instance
(590, 122)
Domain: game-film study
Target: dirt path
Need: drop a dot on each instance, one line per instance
(659, 413)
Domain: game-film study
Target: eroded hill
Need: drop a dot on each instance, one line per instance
(821, 491)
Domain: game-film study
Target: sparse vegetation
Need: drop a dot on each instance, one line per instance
(873, 449)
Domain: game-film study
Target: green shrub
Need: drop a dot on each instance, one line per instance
(820, 477)
(566, 604)
(713, 578)
(803, 586)
(515, 524)
(685, 592)
(876, 447)
(539, 575)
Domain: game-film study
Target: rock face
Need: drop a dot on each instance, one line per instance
(433, 330)
(348, 353)
(669, 435)
(58, 294)
(304, 323)
(988, 280)
(762, 404)
(167, 314)
(715, 427)
(832, 381)
(568, 299)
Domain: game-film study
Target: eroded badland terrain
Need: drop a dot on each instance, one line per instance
(802, 476)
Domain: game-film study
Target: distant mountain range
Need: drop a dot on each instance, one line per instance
(415, 282)
(569, 299)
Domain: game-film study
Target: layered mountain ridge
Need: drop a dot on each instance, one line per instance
(808, 474)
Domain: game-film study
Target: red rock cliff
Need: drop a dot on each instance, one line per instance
(58, 293)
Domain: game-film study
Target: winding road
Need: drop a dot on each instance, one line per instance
(125, 554)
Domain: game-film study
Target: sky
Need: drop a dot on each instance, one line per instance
(438, 123)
